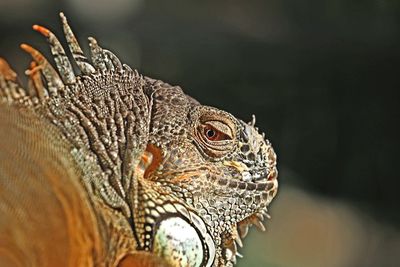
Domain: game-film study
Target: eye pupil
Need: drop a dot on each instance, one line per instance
(210, 133)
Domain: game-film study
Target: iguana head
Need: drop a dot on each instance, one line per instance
(216, 167)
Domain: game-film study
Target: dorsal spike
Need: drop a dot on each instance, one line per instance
(75, 49)
(8, 83)
(62, 62)
(31, 88)
(126, 67)
(6, 71)
(35, 84)
(103, 59)
(98, 56)
(3, 84)
(54, 82)
(114, 59)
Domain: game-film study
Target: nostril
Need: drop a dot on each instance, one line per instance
(245, 148)
(251, 156)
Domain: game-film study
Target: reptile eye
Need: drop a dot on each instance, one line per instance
(213, 134)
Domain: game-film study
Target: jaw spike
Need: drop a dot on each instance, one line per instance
(231, 252)
(53, 80)
(255, 219)
(75, 49)
(61, 59)
(258, 224)
(265, 213)
(243, 229)
(260, 216)
(236, 236)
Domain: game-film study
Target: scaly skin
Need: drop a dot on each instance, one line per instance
(121, 168)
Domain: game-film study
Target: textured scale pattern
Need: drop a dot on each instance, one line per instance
(107, 167)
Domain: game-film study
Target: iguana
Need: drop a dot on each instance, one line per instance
(111, 168)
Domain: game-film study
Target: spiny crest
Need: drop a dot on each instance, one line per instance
(101, 110)
(55, 80)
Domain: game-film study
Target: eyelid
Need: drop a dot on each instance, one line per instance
(221, 127)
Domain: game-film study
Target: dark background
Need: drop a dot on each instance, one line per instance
(321, 76)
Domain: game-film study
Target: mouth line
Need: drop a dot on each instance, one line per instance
(261, 185)
(258, 185)
(252, 175)
(264, 177)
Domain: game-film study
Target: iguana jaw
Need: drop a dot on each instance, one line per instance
(219, 182)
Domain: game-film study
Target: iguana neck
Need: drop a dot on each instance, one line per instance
(104, 116)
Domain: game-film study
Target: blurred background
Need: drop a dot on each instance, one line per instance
(322, 76)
